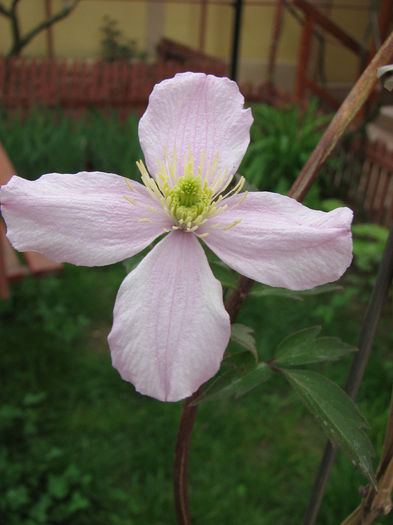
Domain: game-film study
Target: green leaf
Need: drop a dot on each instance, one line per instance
(243, 335)
(58, 486)
(226, 276)
(222, 272)
(78, 502)
(133, 262)
(303, 347)
(337, 414)
(34, 399)
(298, 295)
(231, 384)
(372, 232)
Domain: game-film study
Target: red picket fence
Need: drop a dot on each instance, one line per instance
(25, 83)
(78, 84)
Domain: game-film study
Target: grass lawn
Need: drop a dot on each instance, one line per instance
(91, 450)
(81, 447)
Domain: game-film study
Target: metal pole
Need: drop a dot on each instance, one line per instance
(202, 25)
(238, 5)
(49, 30)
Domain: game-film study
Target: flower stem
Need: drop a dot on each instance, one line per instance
(182, 450)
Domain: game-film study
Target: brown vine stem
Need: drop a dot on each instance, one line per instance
(299, 190)
(182, 450)
(344, 116)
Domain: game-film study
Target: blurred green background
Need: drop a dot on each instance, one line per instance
(81, 447)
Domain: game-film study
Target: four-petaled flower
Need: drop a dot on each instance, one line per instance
(170, 327)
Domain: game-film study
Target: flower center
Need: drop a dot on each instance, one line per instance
(191, 199)
(188, 199)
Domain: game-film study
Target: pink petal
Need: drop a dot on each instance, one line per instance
(82, 218)
(170, 327)
(282, 243)
(195, 113)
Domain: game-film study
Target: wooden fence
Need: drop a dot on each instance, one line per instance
(79, 84)
(363, 176)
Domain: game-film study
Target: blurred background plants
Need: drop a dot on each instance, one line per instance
(81, 447)
(114, 45)
(281, 142)
(47, 141)
(38, 485)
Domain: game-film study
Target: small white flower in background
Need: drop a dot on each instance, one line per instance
(170, 327)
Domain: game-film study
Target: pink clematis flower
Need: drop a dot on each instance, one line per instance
(170, 327)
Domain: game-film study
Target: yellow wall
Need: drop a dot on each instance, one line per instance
(181, 23)
(79, 34)
(219, 31)
(340, 63)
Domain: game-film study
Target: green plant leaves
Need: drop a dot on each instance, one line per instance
(281, 141)
(329, 404)
(368, 245)
(47, 140)
(305, 347)
(225, 275)
(38, 485)
(233, 384)
(222, 272)
(337, 415)
(243, 335)
(261, 290)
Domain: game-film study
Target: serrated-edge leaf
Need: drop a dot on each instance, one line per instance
(297, 339)
(337, 415)
(231, 384)
(243, 335)
(303, 347)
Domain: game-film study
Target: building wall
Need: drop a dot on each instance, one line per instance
(78, 36)
(340, 64)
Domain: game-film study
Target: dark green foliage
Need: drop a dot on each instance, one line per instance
(38, 484)
(305, 347)
(337, 415)
(368, 244)
(235, 380)
(328, 403)
(48, 141)
(256, 448)
(252, 459)
(281, 142)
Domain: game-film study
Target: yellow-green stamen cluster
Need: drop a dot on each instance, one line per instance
(193, 198)
(188, 199)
